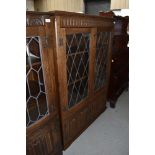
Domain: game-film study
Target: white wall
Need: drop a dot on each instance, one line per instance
(30, 5)
(122, 12)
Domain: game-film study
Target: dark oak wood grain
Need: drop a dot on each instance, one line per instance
(76, 119)
(76, 71)
(43, 137)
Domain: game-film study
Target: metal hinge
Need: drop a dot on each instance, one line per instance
(45, 42)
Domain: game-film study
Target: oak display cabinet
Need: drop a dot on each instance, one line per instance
(79, 57)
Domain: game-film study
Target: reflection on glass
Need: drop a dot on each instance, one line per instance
(35, 92)
(101, 59)
(77, 48)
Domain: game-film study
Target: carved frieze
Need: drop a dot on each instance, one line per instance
(36, 20)
(83, 22)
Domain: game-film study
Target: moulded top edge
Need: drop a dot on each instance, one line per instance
(66, 13)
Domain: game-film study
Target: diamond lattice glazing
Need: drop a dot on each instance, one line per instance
(77, 48)
(101, 59)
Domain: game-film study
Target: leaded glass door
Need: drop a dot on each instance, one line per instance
(73, 57)
(37, 104)
(101, 59)
(82, 67)
(77, 55)
(42, 120)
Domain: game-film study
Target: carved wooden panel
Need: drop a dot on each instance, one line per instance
(83, 22)
(45, 141)
(36, 19)
(75, 124)
(41, 146)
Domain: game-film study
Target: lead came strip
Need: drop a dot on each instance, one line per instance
(77, 48)
(101, 59)
(36, 96)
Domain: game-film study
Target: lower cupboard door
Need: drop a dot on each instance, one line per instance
(82, 76)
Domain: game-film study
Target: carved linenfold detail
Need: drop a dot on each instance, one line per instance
(83, 22)
(45, 138)
(45, 141)
(77, 123)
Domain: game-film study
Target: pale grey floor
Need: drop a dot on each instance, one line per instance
(108, 135)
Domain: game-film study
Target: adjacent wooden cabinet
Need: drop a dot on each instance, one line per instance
(76, 64)
(119, 77)
(42, 118)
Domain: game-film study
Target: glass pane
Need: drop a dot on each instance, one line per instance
(36, 102)
(77, 48)
(101, 59)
